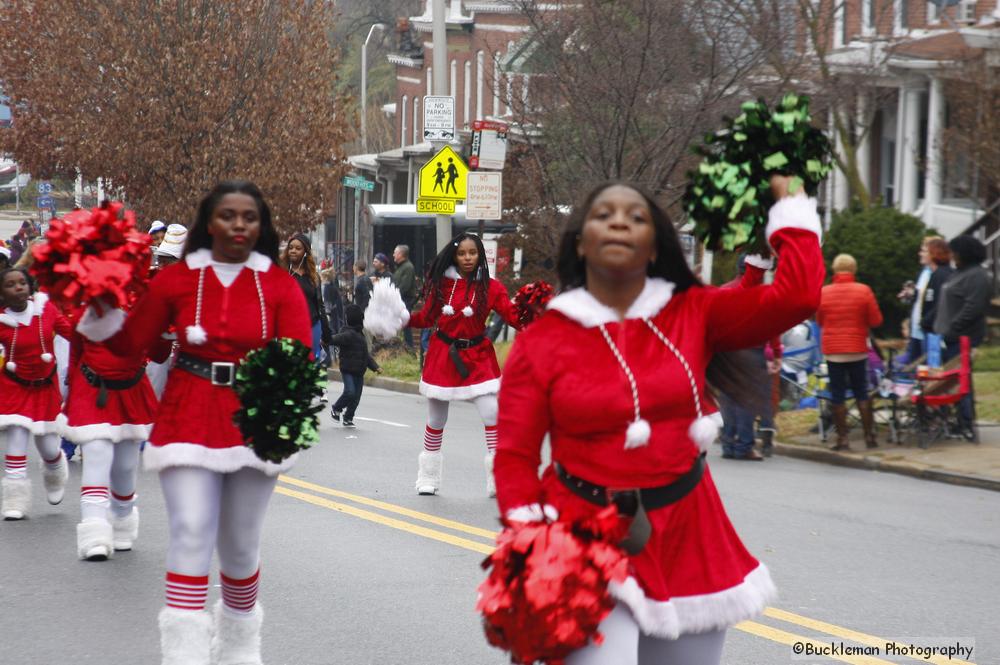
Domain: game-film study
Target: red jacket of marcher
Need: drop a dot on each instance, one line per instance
(846, 312)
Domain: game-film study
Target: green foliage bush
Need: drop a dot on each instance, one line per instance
(885, 243)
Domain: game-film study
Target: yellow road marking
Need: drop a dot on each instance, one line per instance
(752, 627)
(783, 637)
(387, 521)
(848, 634)
(393, 508)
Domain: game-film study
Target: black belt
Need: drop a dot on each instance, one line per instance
(219, 373)
(103, 385)
(31, 383)
(454, 345)
(635, 502)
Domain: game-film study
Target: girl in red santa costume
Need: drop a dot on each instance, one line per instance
(227, 297)
(461, 363)
(29, 394)
(615, 374)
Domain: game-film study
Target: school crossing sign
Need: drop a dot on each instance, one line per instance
(445, 176)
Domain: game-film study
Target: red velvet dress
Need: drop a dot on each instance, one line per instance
(194, 424)
(562, 379)
(440, 378)
(34, 408)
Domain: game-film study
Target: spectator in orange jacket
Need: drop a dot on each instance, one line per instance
(847, 312)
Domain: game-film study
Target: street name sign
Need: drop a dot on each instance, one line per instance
(444, 176)
(358, 182)
(483, 200)
(436, 206)
(439, 118)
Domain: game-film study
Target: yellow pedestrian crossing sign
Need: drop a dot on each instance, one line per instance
(444, 176)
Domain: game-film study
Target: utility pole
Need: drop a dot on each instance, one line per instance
(439, 35)
(364, 86)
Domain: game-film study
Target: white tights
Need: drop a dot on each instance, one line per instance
(208, 510)
(18, 439)
(108, 465)
(437, 410)
(624, 644)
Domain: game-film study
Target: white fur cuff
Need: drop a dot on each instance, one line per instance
(100, 328)
(532, 513)
(758, 261)
(794, 212)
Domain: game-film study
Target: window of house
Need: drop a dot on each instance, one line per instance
(868, 20)
(430, 80)
(933, 12)
(403, 118)
(967, 10)
(480, 84)
(467, 93)
(417, 137)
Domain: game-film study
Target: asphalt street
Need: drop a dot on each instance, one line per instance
(359, 569)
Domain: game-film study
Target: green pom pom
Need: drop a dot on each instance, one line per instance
(279, 387)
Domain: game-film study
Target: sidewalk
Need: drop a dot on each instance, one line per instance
(948, 461)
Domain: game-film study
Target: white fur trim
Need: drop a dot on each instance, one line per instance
(448, 310)
(758, 261)
(100, 328)
(794, 212)
(126, 530)
(94, 534)
(33, 426)
(36, 305)
(430, 468)
(196, 335)
(185, 636)
(532, 513)
(452, 273)
(491, 484)
(467, 311)
(683, 615)
(579, 305)
(105, 431)
(460, 393)
(717, 417)
(47, 357)
(236, 638)
(202, 258)
(704, 431)
(55, 479)
(16, 497)
(386, 313)
(637, 434)
(221, 460)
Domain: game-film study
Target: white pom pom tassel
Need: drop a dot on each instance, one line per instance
(448, 310)
(11, 366)
(704, 431)
(196, 335)
(466, 311)
(46, 357)
(637, 434)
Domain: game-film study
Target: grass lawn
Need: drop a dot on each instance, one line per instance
(399, 364)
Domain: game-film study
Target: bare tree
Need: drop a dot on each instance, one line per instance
(166, 97)
(973, 91)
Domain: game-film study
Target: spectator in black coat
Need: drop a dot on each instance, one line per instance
(333, 301)
(940, 264)
(354, 361)
(964, 298)
(362, 285)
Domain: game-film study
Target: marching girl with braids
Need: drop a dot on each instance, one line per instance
(226, 297)
(30, 400)
(460, 363)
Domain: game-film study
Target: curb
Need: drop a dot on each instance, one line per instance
(810, 453)
(384, 382)
(875, 464)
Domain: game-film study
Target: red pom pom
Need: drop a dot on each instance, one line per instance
(530, 301)
(91, 255)
(547, 590)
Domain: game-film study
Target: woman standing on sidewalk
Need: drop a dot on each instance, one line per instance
(227, 297)
(460, 364)
(30, 400)
(615, 376)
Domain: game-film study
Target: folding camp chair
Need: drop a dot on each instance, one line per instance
(937, 400)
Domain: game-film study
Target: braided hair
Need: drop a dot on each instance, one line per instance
(478, 280)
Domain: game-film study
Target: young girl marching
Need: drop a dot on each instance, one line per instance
(227, 297)
(460, 363)
(29, 395)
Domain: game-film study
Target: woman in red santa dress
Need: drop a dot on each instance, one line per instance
(615, 374)
(29, 394)
(461, 363)
(227, 297)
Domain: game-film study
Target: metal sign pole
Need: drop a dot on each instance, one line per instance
(442, 223)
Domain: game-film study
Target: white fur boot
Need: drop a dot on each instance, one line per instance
(429, 472)
(185, 636)
(94, 538)
(16, 498)
(55, 480)
(237, 637)
(126, 530)
(491, 484)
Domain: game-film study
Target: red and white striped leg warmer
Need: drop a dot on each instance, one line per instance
(186, 592)
(240, 596)
(491, 438)
(432, 439)
(94, 502)
(16, 466)
(121, 506)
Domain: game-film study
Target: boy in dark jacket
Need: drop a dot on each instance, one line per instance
(354, 360)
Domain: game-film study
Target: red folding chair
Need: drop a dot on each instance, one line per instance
(936, 400)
